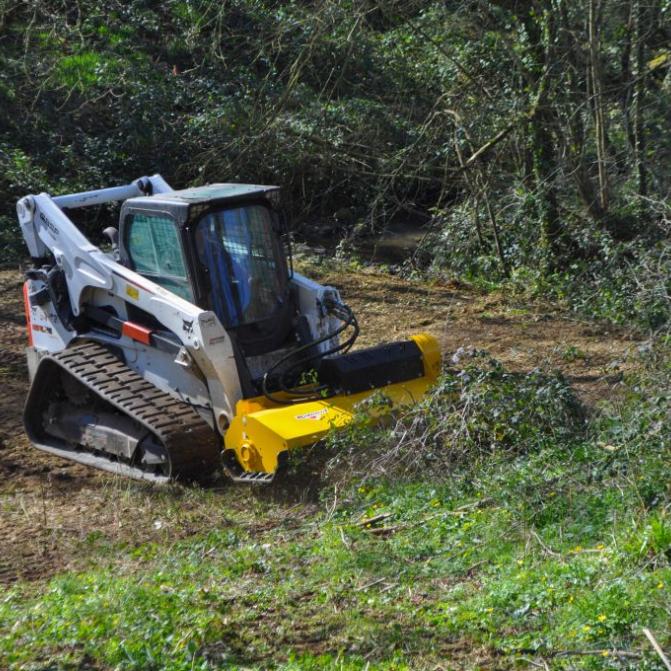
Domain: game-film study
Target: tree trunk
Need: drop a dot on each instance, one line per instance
(545, 168)
(640, 29)
(541, 29)
(626, 76)
(598, 103)
(572, 53)
(495, 232)
(476, 220)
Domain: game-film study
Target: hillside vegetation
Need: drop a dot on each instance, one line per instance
(517, 518)
(533, 136)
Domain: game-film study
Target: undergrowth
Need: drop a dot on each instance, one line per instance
(477, 410)
(620, 281)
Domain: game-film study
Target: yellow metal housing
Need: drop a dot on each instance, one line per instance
(261, 429)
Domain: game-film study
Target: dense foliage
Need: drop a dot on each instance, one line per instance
(317, 99)
(533, 136)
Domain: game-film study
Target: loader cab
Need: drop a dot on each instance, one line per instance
(219, 247)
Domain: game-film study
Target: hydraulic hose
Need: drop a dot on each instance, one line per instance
(346, 316)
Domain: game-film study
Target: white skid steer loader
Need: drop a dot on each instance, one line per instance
(192, 345)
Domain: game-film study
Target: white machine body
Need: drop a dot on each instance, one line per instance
(204, 372)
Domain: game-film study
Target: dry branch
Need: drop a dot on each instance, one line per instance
(658, 649)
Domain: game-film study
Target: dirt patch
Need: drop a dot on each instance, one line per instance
(521, 335)
(52, 512)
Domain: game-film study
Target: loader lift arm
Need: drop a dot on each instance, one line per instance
(50, 234)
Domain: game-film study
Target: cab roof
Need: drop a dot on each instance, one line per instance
(203, 194)
(185, 204)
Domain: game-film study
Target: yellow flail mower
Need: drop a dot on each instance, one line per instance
(192, 344)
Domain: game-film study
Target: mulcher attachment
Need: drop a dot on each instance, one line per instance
(373, 381)
(86, 405)
(372, 368)
(250, 477)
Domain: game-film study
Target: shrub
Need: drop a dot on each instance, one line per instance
(474, 412)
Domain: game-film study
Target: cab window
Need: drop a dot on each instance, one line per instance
(155, 252)
(245, 262)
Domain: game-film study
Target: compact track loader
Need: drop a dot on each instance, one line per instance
(193, 344)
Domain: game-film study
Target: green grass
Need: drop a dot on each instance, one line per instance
(539, 553)
(561, 548)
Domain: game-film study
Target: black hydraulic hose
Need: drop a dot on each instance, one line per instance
(341, 347)
(350, 320)
(345, 315)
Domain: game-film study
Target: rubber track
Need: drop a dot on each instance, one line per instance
(193, 447)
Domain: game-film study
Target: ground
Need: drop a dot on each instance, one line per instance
(551, 549)
(52, 511)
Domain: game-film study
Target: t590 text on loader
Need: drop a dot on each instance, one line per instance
(193, 344)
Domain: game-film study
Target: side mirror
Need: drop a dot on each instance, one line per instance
(112, 234)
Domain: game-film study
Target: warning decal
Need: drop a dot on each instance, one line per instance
(315, 414)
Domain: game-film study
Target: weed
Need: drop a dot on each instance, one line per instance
(571, 353)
